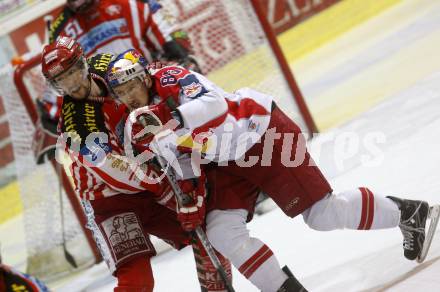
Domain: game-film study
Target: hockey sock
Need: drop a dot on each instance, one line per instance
(355, 209)
(261, 267)
(226, 229)
(135, 275)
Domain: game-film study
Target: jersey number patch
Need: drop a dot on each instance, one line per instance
(170, 77)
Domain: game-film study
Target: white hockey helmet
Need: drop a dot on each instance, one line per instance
(125, 67)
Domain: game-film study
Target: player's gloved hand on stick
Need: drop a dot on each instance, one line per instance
(166, 111)
(192, 214)
(162, 111)
(150, 120)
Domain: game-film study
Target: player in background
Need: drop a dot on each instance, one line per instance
(120, 207)
(112, 26)
(248, 122)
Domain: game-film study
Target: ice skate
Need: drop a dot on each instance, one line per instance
(412, 224)
(433, 217)
(291, 284)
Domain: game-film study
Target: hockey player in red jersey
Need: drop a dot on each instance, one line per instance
(104, 26)
(120, 207)
(249, 122)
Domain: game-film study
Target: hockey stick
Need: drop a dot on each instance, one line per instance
(68, 256)
(183, 199)
(48, 21)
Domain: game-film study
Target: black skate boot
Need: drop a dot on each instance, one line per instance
(291, 284)
(412, 224)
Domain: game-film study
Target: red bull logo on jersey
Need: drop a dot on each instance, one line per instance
(192, 90)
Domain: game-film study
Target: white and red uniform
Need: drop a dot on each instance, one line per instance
(298, 188)
(116, 218)
(115, 26)
(241, 117)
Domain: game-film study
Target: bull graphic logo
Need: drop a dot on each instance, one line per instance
(113, 10)
(124, 228)
(192, 90)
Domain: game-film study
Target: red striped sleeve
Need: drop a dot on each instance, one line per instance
(367, 213)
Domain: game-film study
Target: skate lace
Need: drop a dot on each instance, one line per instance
(408, 235)
(409, 232)
(408, 238)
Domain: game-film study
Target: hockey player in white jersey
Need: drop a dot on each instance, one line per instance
(201, 108)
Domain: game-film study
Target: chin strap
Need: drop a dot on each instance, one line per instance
(90, 86)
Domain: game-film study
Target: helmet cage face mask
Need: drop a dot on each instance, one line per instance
(81, 65)
(59, 57)
(121, 75)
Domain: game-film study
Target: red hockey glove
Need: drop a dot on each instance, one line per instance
(165, 196)
(193, 214)
(162, 111)
(166, 111)
(149, 121)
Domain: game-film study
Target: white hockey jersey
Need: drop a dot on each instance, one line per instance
(222, 125)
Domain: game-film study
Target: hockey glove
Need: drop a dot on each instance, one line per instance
(165, 196)
(193, 214)
(162, 113)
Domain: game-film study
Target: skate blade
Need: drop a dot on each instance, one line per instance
(433, 216)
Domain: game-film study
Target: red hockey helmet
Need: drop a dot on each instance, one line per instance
(59, 56)
(81, 6)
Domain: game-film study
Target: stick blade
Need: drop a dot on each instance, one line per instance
(69, 258)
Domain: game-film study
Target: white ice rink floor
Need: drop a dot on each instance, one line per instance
(399, 68)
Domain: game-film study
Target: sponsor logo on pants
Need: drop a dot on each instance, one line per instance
(125, 235)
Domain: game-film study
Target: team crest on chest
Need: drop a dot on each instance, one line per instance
(113, 10)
